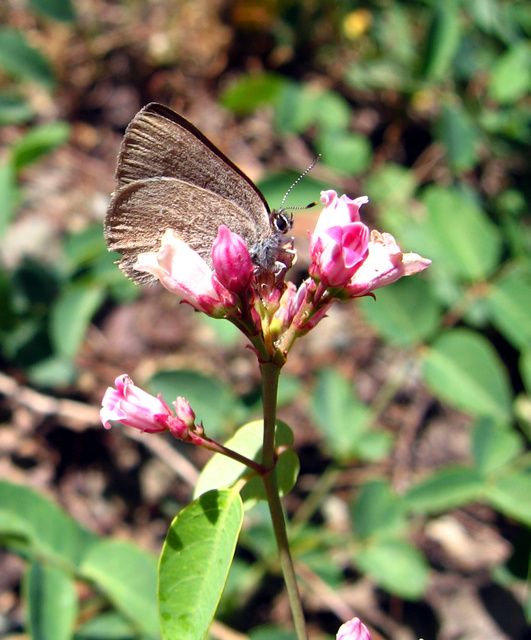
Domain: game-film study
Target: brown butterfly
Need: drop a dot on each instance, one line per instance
(170, 176)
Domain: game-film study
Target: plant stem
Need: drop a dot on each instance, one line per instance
(270, 375)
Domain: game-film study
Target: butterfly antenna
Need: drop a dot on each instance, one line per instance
(312, 204)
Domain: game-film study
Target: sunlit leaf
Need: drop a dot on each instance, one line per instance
(195, 562)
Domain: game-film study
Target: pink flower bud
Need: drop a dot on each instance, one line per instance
(183, 271)
(134, 407)
(184, 412)
(339, 242)
(353, 630)
(232, 261)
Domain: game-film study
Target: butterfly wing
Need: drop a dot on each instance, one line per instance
(160, 143)
(141, 211)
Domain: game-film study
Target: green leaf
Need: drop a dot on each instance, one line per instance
(35, 525)
(84, 247)
(14, 109)
(70, 316)
(271, 632)
(8, 317)
(127, 576)
(378, 511)
(511, 495)
(50, 373)
(406, 313)
(58, 9)
(391, 184)
(375, 445)
(397, 566)
(462, 240)
(442, 40)
(106, 626)
(463, 368)
(338, 413)
(8, 193)
(349, 153)
(494, 446)
(51, 599)
(449, 488)
(221, 471)
(509, 303)
(510, 77)
(459, 136)
(37, 141)
(213, 401)
(195, 563)
(301, 106)
(525, 369)
(252, 91)
(21, 60)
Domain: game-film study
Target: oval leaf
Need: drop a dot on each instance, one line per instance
(511, 496)
(378, 510)
(406, 313)
(463, 368)
(52, 602)
(397, 566)
(46, 530)
(446, 489)
(70, 317)
(195, 562)
(21, 60)
(127, 575)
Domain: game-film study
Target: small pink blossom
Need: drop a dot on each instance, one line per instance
(136, 408)
(385, 263)
(353, 630)
(183, 271)
(339, 242)
(232, 261)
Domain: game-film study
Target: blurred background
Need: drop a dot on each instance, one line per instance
(411, 413)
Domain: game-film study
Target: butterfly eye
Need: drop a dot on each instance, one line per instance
(282, 222)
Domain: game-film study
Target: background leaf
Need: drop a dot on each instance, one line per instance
(52, 602)
(21, 60)
(463, 369)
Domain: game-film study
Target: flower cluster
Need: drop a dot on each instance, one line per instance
(347, 261)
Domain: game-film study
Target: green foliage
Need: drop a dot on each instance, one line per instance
(21, 60)
(60, 551)
(345, 421)
(195, 563)
(221, 471)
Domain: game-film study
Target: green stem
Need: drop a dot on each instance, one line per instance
(211, 445)
(270, 375)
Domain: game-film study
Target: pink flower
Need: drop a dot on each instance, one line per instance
(385, 263)
(183, 271)
(232, 261)
(136, 408)
(353, 630)
(339, 242)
